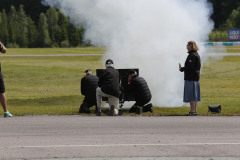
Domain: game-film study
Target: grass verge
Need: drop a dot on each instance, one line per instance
(51, 85)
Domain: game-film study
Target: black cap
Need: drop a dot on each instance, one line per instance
(131, 71)
(88, 70)
(109, 61)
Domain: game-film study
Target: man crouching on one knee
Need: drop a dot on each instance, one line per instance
(108, 86)
(142, 94)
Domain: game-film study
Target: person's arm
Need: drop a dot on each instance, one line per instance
(83, 86)
(3, 49)
(189, 64)
(130, 86)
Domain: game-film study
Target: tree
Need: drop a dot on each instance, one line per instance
(32, 33)
(22, 28)
(4, 27)
(234, 19)
(63, 23)
(53, 28)
(33, 8)
(221, 11)
(12, 25)
(43, 37)
(73, 34)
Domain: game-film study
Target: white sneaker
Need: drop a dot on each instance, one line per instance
(7, 114)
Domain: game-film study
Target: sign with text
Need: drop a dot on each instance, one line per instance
(234, 34)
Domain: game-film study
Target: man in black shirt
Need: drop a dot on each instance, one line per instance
(142, 94)
(89, 84)
(108, 86)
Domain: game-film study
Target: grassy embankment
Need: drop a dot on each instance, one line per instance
(51, 85)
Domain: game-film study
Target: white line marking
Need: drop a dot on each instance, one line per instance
(117, 145)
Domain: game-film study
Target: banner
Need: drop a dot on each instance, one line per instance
(234, 34)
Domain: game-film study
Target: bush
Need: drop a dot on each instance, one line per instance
(218, 36)
(12, 45)
(64, 44)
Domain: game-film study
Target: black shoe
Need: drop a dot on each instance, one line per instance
(148, 108)
(81, 110)
(111, 111)
(87, 110)
(133, 109)
(191, 114)
(84, 110)
(98, 113)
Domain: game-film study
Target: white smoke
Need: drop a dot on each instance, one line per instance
(147, 34)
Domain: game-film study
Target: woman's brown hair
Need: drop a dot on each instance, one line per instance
(193, 45)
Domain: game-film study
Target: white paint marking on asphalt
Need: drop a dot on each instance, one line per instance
(118, 145)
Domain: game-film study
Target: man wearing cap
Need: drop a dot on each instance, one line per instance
(89, 84)
(108, 86)
(138, 86)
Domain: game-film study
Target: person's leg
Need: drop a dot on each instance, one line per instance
(148, 108)
(99, 95)
(114, 103)
(2, 92)
(192, 106)
(84, 108)
(133, 109)
(3, 101)
(195, 106)
(99, 98)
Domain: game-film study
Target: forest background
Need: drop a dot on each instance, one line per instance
(30, 24)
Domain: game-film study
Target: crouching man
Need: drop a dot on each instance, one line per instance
(138, 86)
(89, 84)
(108, 86)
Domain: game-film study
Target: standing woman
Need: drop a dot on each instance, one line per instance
(191, 71)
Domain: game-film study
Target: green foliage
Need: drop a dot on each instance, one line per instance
(64, 44)
(4, 35)
(218, 36)
(44, 39)
(63, 23)
(22, 25)
(12, 45)
(221, 11)
(32, 33)
(234, 19)
(53, 29)
(12, 24)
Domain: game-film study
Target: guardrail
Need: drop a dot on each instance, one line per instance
(222, 43)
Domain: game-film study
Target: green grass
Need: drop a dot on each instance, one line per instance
(44, 51)
(51, 85)
(46, 85)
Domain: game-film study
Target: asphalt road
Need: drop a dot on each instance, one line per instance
(51, 137)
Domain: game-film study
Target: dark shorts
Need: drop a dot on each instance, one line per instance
(2, 86)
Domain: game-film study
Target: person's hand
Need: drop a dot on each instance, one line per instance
(180, 67)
